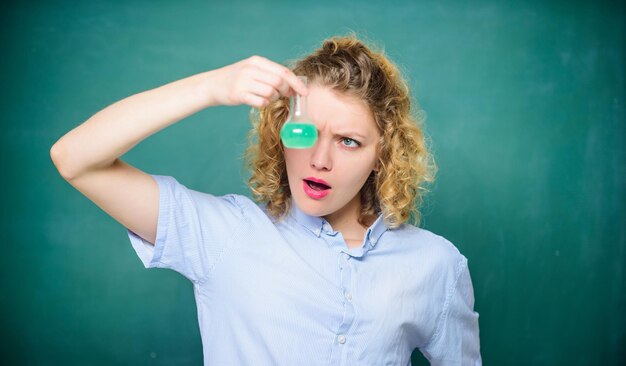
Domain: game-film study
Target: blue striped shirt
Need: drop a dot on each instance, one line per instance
(291, 292)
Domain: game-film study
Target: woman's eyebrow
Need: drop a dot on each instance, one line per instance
(350, 134)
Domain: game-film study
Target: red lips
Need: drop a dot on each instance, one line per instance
(317, 180)
(315, 188)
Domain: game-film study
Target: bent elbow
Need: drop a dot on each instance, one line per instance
(58, 159)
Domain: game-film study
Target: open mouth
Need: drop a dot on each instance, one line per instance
(315, 189)
(316, 185)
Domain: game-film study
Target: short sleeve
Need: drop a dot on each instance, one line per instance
(456, 340)
(193, 230)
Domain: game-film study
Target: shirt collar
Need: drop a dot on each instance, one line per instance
(313, 223)
(375, 231)
(317, 225)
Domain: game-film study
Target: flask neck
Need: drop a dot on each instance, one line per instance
(299, 108)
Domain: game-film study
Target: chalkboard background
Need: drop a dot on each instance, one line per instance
(526, 114)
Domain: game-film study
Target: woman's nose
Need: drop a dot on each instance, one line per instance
(321, 157)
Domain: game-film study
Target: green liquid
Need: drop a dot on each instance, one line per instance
(298, 135)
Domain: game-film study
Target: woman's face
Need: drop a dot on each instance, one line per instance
(342, 158)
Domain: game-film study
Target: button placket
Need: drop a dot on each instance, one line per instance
(345, 278)
(345, 257)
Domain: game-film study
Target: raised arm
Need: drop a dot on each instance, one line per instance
(88, 156)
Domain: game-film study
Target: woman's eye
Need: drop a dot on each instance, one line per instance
(350, 142)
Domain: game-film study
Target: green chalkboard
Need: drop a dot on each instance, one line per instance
(526, 116)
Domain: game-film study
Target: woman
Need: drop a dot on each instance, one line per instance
(325, 269)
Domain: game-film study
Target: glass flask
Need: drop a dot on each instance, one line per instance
(298, 132)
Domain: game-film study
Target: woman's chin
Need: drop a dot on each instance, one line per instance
(313, 207)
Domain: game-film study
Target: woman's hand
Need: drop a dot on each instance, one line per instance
(255, 81)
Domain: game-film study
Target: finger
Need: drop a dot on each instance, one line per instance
(255, 100)
(285, 74)
(263, 90)
(274, 81)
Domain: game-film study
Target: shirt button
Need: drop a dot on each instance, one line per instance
(373, 240)
(341, 339)
(326, 227)
(346, 256)
(348, 296)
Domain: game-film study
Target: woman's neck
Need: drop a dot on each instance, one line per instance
(346, 221)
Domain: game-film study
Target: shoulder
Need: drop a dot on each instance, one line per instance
(430, 251)
(236, 203)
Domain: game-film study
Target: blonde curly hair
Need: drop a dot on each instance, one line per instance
(345, 64)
